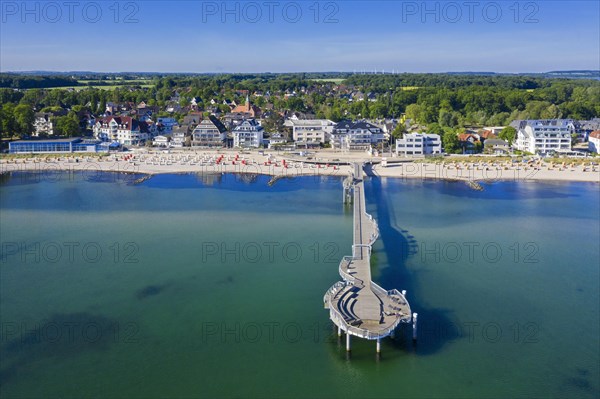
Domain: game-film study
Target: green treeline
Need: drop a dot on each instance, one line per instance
(445, 101)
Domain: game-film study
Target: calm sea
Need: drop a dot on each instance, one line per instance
(191, 286)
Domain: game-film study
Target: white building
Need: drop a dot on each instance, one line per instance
(123, 129)
(178, 137)
(543, 136)
(418, 144)
(594, 142)
(161, 141)
(348, 135)
(276, 139)
(311, 131)
(248, 134)
(43, 125)
(209, 133)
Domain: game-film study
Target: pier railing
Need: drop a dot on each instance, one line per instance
(338, 319)
(347, 261)
(334, 289)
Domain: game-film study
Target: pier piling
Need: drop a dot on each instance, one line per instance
(347, 342)
(414, 323)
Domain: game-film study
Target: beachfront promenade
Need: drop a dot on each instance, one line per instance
(357, 305)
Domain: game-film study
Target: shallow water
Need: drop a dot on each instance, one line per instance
(193, 286)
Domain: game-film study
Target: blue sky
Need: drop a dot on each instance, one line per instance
(283, 36)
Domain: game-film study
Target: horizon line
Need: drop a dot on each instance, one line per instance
(353, 72)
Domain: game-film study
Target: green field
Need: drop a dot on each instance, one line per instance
(115, 81)
(140, 83)
(332, 80)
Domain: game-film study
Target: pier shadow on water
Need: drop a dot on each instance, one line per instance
(435, 326)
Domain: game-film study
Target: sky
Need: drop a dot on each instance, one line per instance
(294, 36)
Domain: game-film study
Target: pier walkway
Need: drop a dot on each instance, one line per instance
(357, 305)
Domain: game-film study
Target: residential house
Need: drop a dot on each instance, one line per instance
(192, 119)
(161, 141)
(249, 134)
(543, 136)
(361, 135)
(178, 137)
(123, 129)
(167, 123)
(296, 116)
(275, 140)
(496, 146)
(176, 97)
(419, 144)
(486, 134)
(468, 142)
(144, 111)
(173, 107)
(209, 133)
(232, 120)
(583, 128)
(195, 102)
(43, 124)
(311, 131)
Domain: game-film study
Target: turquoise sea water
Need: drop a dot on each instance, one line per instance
(212, 287)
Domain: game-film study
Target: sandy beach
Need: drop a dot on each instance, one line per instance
(327, 163)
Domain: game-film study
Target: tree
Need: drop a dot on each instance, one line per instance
(8, 125)
(295, 104)
(399, 131)
(101, 109)
(434, 128)
(334, 114)
(413, 112)
(274, 123)
(450, 141)
(24, 118)
(378, 110)
(67, 125)
(509, 134)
